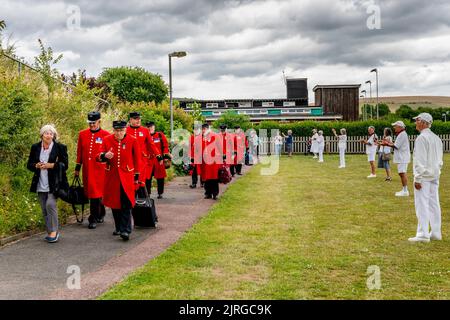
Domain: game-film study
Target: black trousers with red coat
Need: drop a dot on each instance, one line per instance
(97, 210)
(122, 217)
(211, 187)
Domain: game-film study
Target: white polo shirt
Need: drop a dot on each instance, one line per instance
(371, 146)
(402, 152)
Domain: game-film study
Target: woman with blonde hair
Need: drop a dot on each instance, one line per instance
(48, 158)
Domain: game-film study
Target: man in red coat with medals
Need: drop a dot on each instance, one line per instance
(158, 170)
(122, 155)
(240, 147)
(148, 148)
(211, 161)
(89, 145)
(195, 144)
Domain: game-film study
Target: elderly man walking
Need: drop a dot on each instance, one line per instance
(427, 164)
(371, 150)
(402, 155)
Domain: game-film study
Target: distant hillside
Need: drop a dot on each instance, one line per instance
(413, 101)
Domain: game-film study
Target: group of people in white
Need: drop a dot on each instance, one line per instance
(427, 164)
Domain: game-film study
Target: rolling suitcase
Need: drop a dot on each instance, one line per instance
(144, 211)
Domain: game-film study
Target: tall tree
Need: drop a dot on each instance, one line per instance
(134, 84)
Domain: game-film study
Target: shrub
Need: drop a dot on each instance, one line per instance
(356, 128)
(134, 84)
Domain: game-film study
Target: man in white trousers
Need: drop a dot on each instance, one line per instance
(402, 155)
(427, 163)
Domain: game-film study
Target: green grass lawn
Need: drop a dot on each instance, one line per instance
(309, 232)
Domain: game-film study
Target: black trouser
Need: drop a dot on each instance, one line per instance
(211, 187)
(194, 176)
(160, 183)
(236, 168)
(97, 210)
(122, 217)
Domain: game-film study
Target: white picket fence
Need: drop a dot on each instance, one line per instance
(354, 145)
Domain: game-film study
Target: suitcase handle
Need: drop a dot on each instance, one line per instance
(139, 200)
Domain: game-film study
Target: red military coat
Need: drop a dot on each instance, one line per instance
(227, 147)
(212, 158)
(120, 170)
(161, 144)
(240, 146)
(196, 152)
(88, 147)
(147, 148)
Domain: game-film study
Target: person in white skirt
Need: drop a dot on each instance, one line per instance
(320, 145)
(342, 146)
(314, 145)
(427, 164)
(371, 150)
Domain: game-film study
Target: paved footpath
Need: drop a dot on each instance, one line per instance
(34, 269)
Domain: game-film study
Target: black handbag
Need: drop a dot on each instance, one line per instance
(75, 196)
(144, 211)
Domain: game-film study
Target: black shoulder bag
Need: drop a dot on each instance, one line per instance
(75, 196)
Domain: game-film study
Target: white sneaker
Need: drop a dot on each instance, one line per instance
(402, 194)
(320, 161)
(418, 239)
(341, 167)
(372, 176)
(314, 157)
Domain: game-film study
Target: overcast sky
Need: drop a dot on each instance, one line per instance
(238, 49)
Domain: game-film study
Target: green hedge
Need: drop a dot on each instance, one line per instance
(355, 128)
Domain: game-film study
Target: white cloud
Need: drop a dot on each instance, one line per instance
(239, 48)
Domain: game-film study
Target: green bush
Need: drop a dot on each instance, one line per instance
(406, 112)
(232, 119)
(356, 128)
(134, 84)
(158, 113)
(18, 120)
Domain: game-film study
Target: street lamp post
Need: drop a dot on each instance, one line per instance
(177, 54)
(365, 96)
(364, 108)
(376, 72)
(370, 89)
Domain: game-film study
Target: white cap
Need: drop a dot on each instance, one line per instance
(399, 124)
(424, 117)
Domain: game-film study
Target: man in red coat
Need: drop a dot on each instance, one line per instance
(196, 157)
(148, 148)
(122, 155)
(227, 142)
(240, 147)
(158, 170)
(89, 145)
(211, 161)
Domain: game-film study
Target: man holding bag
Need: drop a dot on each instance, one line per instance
(89, 144)
(122, 155)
